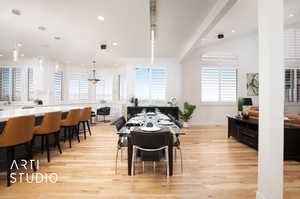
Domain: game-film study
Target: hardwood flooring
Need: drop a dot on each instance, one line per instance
(214, 167)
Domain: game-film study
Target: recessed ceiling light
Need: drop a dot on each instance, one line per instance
(16, 12)
(115, 44)
(233, 31)
(291, 15)
(42, 28)
(22, 55)
(203, 39)
(100, 18)
(57, 38)
(19, 44)
(1, 55)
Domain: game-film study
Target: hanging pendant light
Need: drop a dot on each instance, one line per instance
(93, 79)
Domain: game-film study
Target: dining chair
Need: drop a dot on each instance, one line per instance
(70, 125)
(105, 111)
(150, 142)
(177, 144)
(17, 131)
(49, 126)
(122, 143)
(85, 117)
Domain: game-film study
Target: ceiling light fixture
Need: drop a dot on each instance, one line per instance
(22, 55)
(100, 18)
(291, 15)
(19, 44)
(16, 12)
(115, 44)
(1, 55)
(42, 28)
(93, 78)
(233, 31)
(153, 26)
(16, 55)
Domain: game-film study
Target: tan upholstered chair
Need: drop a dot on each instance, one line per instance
(84, 120)
(70, 125)
(17, 131)
(50, 125)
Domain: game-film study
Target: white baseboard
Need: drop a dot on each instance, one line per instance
(259, 195)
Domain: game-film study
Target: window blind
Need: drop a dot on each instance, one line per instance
(104, 89)
(30, 93)
(78, 87)
(58, 86)
(218, 84)
(151, 84)
(16, 84)
(4, 84)
(292, 48)
(122, 87)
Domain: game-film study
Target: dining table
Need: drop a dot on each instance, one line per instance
(163, 124)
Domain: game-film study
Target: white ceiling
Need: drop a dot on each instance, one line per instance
(75, 21)
(242, 18)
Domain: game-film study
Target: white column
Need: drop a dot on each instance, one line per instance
(271, 99)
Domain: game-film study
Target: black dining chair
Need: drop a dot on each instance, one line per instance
(122, 143)
(150, 142)
(105, 111)
(177, 144)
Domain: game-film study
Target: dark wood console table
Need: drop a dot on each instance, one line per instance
(246, 131)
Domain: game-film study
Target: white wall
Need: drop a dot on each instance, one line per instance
(246, 49)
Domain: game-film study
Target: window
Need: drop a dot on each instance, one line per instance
(58, 86)
(4, 84)
(218, 84)
(78, 87)
(104, 88)
(10, 84)
(122, 87)
(30, 94)
(151, 84)
(292, 85)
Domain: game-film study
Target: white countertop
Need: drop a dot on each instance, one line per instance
(37, 111)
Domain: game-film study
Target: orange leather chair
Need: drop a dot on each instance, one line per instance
(17, 131)
(84, 120)
(71, 125)
(50, 125)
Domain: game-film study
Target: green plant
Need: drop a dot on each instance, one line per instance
(187, 112)
(240, 104)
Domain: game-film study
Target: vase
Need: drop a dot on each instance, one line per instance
(185, 124)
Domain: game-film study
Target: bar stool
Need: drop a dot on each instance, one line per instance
(17, 131)
(70, 125)
(50, 125)
(84, 120)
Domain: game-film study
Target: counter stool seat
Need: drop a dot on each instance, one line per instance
(71, 125)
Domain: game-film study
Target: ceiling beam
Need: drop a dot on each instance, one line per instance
(215, 15)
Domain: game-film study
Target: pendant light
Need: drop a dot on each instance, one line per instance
(93, 79)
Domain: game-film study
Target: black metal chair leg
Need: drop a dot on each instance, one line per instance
(88, 125)
(76, 128)
(42, 143)
(29, 155)
(57, 142)
(65, 129)
(47, 148)
(70, 129)
(84, 131)
(9, 162)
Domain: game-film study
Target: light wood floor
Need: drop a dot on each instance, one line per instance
(214, 167)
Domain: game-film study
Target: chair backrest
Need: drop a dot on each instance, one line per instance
(153, 140)
(120, 123)
(85, 114)
(27, 107)
(50, 123)
(18, 130)
(73, 117)
(103, 111)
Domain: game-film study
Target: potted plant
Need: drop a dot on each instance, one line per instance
(186, 114)
(240, 105)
